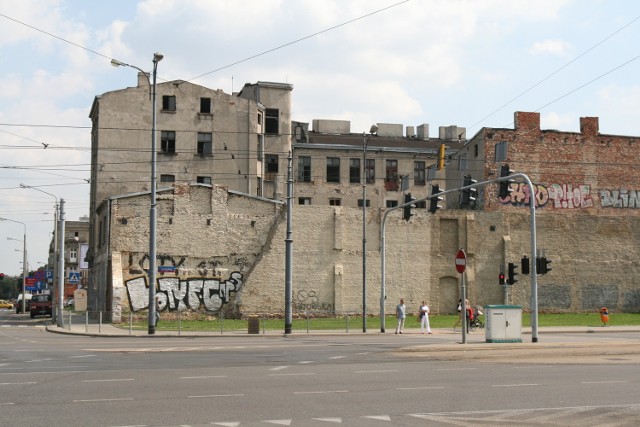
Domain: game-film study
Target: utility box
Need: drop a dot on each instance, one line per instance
(80, 300)
(504, 323)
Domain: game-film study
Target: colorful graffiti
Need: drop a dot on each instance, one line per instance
(176, 294)
(561, 196)
(621, 198)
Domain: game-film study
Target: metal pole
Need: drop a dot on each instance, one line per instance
(59, 319)
(152, 211)
(24, 268)
(288, 294)
(364, 232)
(382, 271)
(465, 324)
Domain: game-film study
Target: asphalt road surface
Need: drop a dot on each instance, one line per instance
(352, 380)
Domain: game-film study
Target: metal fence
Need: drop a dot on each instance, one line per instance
(254, 323)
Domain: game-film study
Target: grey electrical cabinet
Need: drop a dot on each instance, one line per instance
(504, 323)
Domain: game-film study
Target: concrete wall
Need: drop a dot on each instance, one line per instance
(236, 263)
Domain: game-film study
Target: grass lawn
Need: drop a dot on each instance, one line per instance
(354, 324)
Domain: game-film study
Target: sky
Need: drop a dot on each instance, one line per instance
(470, 63)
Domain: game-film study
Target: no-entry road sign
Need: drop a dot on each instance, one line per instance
(461, 261)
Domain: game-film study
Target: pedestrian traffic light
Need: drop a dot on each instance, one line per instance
(501, 278)
(433, 205)
(407, 211)
(468, 194)
(524, 265)
(512, 274)
(505, 186)
(544, 265)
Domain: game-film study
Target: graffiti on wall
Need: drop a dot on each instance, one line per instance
(210, 267)
(309, 300)
(559, 196)
(176, 294)
(621, 198)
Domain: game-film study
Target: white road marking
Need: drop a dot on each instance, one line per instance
(603, 382)
(7, 403)
(337, 357)
(37, 360)
(278, 368)
(203, 377)
(78, 357)
(330, 420)
(279, 422)
(321, 392)
(216, 395)
(108, 380)
(116, 399)
(227, 424)
(306, 361)
(378, 417)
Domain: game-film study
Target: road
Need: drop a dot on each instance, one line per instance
(307, 380)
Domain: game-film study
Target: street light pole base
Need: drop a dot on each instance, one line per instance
(152, 330)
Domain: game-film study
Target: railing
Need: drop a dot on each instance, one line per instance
(191, 322)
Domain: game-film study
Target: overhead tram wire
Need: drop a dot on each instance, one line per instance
(298, 40)
(553, 74)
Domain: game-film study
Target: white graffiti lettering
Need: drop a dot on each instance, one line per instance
(179, 295)
(565, 196)
(622, 198)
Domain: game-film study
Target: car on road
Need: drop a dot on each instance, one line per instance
(6, 304)
(41, 305)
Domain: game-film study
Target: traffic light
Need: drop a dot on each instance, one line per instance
(441, 154)
(501, 278)
(505, 186)
(544, 266)
(407, 211)
(524, 265)
(468, 194)
(433, 204)
(512, 274)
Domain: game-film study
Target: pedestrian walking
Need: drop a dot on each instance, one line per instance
(424, 318)
(157, 309)
(401, 315)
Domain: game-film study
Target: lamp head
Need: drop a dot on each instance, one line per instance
(117, 63)
(157, 57)
(23, 186)
(374, 129)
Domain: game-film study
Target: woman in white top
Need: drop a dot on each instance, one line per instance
(424, 318)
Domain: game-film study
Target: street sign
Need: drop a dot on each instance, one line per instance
(74, 277)
(461, 261)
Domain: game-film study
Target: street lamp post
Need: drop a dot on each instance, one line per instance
(24, 261)
(56, 284)
(157, 57)
(373, 130)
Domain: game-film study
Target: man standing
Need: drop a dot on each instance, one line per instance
(401, 314)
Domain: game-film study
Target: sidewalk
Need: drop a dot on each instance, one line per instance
(478, 335)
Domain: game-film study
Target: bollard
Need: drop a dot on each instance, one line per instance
(86, 321)
(130, 321)
(100, 323)
(604, 316)
(179, 323)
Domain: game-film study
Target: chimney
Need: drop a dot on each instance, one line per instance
(589, 126)
(526, 121)
(423, 132)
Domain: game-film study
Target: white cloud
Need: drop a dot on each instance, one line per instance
(553, 47)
